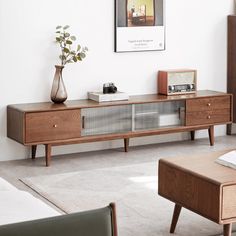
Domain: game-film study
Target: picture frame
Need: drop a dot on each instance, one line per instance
(139, 25)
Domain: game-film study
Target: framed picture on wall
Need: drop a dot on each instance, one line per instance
(139, 25)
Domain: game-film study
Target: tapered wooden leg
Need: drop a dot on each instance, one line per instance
(48, 149)
(211, 135)
(175, 218)
(33, 151)
(192, 133)
(228, 229)
(126, 144)
(229, 129)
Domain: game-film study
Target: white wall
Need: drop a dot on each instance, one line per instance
(195, 38)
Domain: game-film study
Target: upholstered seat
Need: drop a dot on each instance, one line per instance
(99, 222)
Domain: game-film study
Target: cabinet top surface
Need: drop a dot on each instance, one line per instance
(86, 103)
(204, 165)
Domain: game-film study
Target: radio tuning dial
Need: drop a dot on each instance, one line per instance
(208, 104)
(209, 117)
(171, 88)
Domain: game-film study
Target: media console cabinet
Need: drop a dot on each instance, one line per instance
(82, 121)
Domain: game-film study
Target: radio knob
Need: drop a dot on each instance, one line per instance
(209, 117)
(54, 126)
(171, 88)
(208, 104)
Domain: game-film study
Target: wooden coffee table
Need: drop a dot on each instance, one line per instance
(200, 185)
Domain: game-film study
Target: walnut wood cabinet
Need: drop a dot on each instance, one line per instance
(231, 64)
(89, 121)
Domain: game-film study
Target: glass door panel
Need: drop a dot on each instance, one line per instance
(159, 115)
(106, 120)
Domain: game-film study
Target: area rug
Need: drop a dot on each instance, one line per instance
(140, 211)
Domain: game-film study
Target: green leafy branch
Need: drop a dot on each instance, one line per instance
(65, 41)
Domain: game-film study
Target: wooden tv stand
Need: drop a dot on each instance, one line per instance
(82, 121)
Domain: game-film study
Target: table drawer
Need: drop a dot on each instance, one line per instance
(50, 126)
(229, 202)
(208, 117)
(208, 104)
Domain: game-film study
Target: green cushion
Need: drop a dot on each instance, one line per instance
(89, 223)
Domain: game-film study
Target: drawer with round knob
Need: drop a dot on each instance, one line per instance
(208, 104)
(51, 126)
(208, 117)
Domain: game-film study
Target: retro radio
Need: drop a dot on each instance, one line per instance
(173, 82)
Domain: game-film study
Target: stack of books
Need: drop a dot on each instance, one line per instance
(109, 97)
(228, 159)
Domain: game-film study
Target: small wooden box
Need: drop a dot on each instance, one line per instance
(174, 82)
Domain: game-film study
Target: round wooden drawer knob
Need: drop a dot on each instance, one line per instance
(55, 126)
(208, 104)
(209, 117)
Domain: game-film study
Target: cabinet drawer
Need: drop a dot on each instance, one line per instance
(50, 126)
(229, 202)
(208, 104)
(208, 117)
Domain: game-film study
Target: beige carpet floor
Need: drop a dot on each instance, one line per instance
(141, 212)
